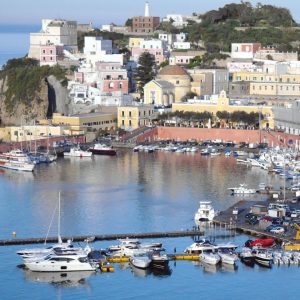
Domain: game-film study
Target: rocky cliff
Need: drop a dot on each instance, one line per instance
(49, 97)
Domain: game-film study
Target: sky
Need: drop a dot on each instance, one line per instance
(106, 11)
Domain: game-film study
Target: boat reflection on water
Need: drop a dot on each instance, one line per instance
(229, 268)
(140, 272)
(159, 272)
(65, 279)
(162, 272)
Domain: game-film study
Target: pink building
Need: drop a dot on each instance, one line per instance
(113, 77)
(50, 54)
(158, 53)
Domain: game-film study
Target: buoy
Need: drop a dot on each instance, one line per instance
(14, 234)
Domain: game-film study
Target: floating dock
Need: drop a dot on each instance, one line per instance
(106, 237)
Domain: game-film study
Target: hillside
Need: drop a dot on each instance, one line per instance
(25, 90)
(267, 24)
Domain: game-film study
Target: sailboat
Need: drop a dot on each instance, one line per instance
(38, 253)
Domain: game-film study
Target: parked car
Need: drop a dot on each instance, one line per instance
(249, 215)
(252, 221)
(277, 230)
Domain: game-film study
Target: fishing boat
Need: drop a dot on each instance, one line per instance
(16, 160)
(227, 256)
(102, 149)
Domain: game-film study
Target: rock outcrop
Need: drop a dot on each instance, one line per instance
(50, 97)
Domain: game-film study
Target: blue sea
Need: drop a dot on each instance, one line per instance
(14, 41)
(132, 192)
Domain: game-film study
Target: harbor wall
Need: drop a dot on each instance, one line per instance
(273, 138)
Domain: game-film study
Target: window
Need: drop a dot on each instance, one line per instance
(123, 123)
(130, 114)
(177, 81)
(51, 51)
(130, 123)
(123, 113)
(111, 85)
(120, 85)
(44, 51)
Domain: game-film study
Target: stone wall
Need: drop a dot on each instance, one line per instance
(273, 138)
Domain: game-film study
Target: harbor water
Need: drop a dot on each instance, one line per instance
(132, 192)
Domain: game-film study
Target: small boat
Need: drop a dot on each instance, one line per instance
(268, 242)
(77, 152)
(140, 261)
(101, 149)
(227, 256)
(242, 190)
(263, 257)
(205, 152)
(209, 257)
(247, 256)
(159, 260)
(205, 212)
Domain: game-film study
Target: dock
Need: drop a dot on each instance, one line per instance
(238, 222)
(106, 237)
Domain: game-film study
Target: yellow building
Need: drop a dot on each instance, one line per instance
(159, 92)
(30, 133)
(223, 104)
(132, 117)
(92, 121)
(174, 83)
(135, 42)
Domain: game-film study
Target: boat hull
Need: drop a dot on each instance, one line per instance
(59, 267)
(103, 152)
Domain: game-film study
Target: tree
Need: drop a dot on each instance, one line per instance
(189, 95)
(145, 71)
(128, 23)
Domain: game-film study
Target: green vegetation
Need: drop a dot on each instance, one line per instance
(187, 117)
(24, 78)
(119, 40)
(206, 61)
(145, 71)
(267, 24)
(239, 117)
(168, 27)
(189, 95)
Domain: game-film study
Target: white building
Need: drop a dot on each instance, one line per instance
(54, 32)
(94, 45)
(182, 45)
(152, 44)
(178, 21)
(244, 50)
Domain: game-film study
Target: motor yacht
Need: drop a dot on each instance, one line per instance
(205, 212)
(159, 260)
(242, 190)
(59, 263)
(200, 246)
(16, 160)
(209, 257)
(247, 256)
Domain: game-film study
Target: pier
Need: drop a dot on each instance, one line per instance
(106, 237)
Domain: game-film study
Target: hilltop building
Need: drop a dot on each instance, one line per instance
(54, 34)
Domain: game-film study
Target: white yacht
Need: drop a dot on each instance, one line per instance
(242, 190)
(200, 246)
(59, 263)
(205, 212)
(140, 261)
(16, 160)
(209, 257)
(77, 152)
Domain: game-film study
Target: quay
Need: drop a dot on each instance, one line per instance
(195, 232)
(237, 222)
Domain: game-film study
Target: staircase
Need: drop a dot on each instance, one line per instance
(133, 135)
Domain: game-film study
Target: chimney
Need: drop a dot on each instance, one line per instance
(147, 9)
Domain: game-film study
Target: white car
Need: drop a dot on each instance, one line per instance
(277, 230)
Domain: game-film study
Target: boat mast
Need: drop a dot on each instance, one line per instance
(58, 227)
